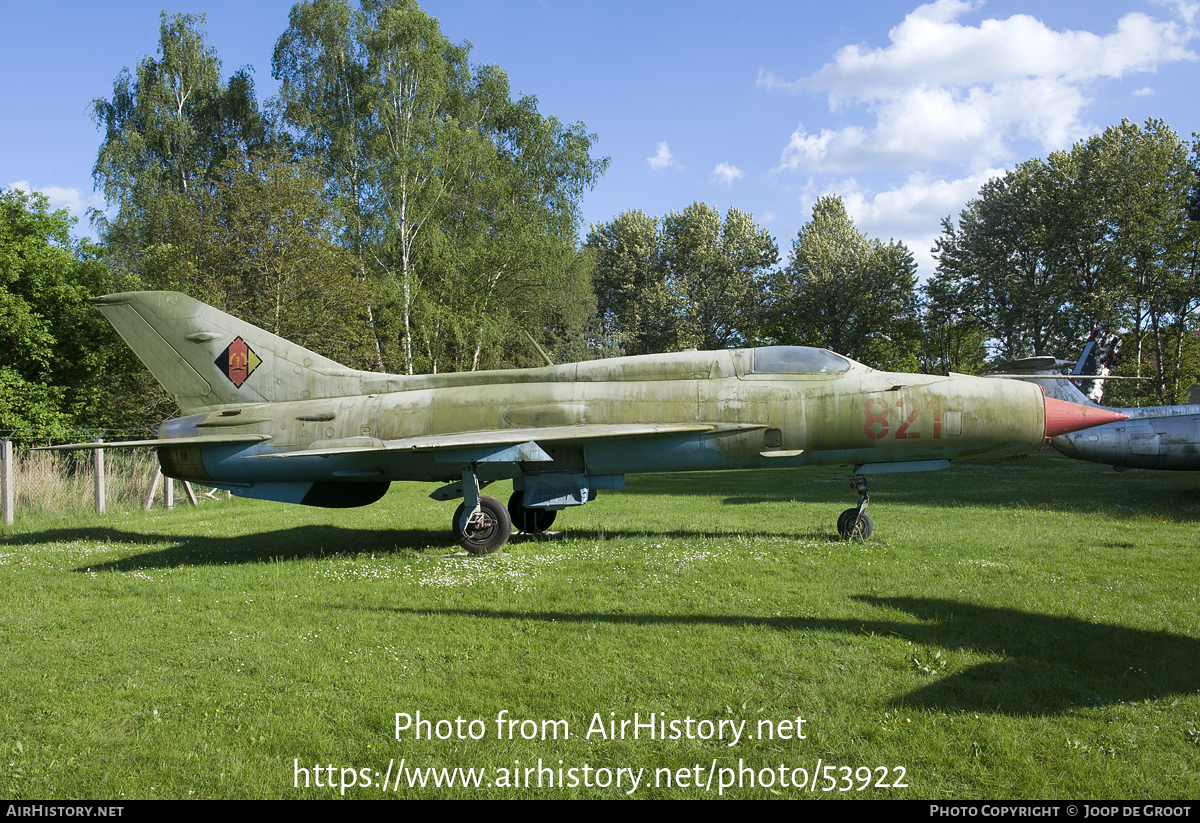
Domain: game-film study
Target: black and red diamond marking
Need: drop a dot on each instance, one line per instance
(238, 362)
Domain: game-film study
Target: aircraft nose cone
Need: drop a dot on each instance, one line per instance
(1063, 417)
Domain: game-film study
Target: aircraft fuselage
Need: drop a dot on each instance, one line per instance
(753, 420)
(1154, 437)
(268, 419)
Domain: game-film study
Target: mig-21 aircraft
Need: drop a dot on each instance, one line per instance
(267, 419)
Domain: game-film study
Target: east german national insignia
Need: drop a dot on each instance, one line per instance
(238, 362)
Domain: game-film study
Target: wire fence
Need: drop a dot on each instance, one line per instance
(36, 484)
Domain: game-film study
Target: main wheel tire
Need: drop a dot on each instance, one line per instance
(848, 520)
(490, 529)
(529, 521)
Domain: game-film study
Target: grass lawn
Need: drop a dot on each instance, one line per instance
(1025, 628)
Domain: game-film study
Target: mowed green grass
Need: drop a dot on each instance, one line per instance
(1025, 628)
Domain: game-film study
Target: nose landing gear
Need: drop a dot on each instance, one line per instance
(856, 524)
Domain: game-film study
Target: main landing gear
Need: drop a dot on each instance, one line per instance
(527, 520)
(483, 524)
(486, 530)
(856, 524)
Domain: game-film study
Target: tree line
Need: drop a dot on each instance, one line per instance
(692, 279)
(1103, 235)
(396, 208)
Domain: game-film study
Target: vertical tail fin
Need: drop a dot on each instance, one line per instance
(207, 359)
(1098, 358)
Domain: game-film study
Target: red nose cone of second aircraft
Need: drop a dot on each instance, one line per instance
(1063, 417)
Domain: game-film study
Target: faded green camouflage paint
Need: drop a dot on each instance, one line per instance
(303, 401)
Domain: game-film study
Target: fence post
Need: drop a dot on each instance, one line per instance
(98, 465)
(169, 492)
(153, 488)
(6, 481)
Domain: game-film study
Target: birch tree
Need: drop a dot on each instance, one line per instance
(461, 193)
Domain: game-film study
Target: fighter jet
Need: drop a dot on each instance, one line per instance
(267, 419)
(1155, 437)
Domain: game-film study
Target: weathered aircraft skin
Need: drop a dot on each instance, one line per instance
(268, 419)
(1153, 437)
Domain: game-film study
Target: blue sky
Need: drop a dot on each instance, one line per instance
(904, 110)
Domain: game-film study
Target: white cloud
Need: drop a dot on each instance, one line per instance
(73, 200)
(944, 91)
(1186, 9)
(662, 158)
(1144, 91)
(911, 213)
(911, 207)
(726, 173)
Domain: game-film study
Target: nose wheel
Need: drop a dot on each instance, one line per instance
(856, 524)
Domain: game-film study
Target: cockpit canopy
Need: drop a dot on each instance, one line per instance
(798, 360)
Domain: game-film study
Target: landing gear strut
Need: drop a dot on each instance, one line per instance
(856, 524)
(481, 524)
(488, 528)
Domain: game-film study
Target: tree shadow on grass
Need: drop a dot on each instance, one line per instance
(1046, 664)
(717, 533)
(172, 550)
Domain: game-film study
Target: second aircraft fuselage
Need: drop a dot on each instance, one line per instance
(1159, 437)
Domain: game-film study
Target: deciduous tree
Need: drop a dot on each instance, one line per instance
(1095, 236)
(691, 279)
(1152, 245)
(636, 308)
(454, 195)
(258, 241)
(718, 269)
(60, 363)
(168, 127)
(846, 292)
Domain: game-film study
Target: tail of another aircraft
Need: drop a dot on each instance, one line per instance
(1047, 373)
(1098, 358)
(208, 359)
(1096, 361)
